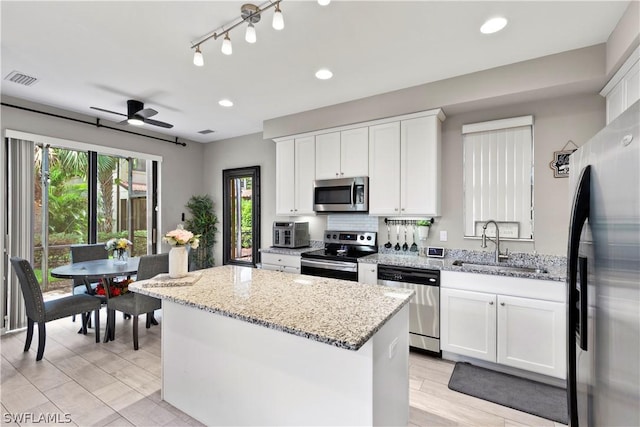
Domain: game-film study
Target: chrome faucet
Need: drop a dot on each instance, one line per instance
(498, 256)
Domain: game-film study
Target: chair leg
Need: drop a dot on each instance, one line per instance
(153, 318)
(97, 322)
(73, 318)
(148, 324)
(27, 344)
(42, 337)
(84, 316)
(135, 332)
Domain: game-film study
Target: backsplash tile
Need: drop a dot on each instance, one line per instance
(352, 222)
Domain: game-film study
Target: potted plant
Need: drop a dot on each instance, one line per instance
(203, 222)
(423, 228)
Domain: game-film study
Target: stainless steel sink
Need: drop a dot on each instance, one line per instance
(499, 267)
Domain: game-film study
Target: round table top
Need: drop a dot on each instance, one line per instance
(100, 268)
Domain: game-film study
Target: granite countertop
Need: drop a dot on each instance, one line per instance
(336, 312)
(555, 266)
(288, 251)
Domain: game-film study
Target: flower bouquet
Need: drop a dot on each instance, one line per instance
(180, 239)
(115, 290)
(119, 248)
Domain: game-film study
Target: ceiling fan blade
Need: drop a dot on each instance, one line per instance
(108, 111)
(158, 123)
(147, 112)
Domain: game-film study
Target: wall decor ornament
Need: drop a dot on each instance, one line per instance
(560, 162)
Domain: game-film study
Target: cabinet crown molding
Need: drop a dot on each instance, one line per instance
(435, 112)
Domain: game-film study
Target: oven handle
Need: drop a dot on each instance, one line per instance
(330, 265)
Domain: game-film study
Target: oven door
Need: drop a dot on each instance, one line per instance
(344, 270)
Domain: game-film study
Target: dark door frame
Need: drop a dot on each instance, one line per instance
(227, 176)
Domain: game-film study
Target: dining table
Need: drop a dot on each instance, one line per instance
(106, 270)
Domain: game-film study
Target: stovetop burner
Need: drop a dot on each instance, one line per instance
(345, 246)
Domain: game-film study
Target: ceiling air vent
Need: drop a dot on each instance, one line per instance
(206, 132)
(21, 79)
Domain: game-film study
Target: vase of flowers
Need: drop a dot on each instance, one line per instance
(180, 239)
(119, 247)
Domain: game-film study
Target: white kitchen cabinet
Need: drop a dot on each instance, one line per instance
(342, 154)
(281, 262)
(509, 324)
(404, 167)
(420, 166)
(531, 335)
(468, 323)
(384, 169)
(295, 173)
(624, 87)
(368, 273)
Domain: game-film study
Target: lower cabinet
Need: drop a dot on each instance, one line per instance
(368, 273)
(524, 333)
(280, 262)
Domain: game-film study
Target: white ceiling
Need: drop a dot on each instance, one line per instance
(100, 54)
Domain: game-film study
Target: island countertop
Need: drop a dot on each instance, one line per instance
(336, 312)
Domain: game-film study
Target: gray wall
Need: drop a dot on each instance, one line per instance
(556, 121)
(248, 150)
(181, 166)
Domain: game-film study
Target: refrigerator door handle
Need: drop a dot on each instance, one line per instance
(579, 215)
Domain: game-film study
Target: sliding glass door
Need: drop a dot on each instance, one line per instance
(85, 197)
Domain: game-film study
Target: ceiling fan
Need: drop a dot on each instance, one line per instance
(137, 115)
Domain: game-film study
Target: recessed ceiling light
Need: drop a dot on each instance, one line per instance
(324, 74)
(493, 25)
(225, 103)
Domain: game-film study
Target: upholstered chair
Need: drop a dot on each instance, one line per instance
(136, 304)
(41, 312)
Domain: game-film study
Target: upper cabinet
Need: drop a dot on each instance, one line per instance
(624, 87)
(342, 154)
(404, 166)
(400, 155)
(295, 173)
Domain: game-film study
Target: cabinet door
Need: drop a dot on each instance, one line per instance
(368, 273)
(328, 155)
(420, 166)
(285, 173)
(468, 323)
(384, 169)
(532, 335)
(354, 152)
(305, 172)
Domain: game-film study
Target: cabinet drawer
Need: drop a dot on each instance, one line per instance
(282, 260)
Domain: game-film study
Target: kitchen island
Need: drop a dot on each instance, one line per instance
(242, 346)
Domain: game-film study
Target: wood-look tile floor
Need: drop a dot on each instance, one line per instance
(110, 384)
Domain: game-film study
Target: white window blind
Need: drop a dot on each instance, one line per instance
(498, 175)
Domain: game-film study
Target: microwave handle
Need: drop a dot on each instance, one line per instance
(353, 193)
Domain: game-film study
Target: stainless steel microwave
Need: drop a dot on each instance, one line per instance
(341, 195)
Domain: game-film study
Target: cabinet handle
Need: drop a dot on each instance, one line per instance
(490, 302)
(395, 209)
(373, 270)
(402, 209)
(290, 210)
(341, 173)
(502, 304)
(336, 173)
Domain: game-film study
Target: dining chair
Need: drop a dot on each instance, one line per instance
(134, 303)
(87, 252)
(41, 312)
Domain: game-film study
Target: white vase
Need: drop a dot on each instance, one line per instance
(178, 262)
(423, 232)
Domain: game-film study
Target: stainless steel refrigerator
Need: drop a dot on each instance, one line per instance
(603, 277)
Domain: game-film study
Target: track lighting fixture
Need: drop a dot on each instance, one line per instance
(249, 13)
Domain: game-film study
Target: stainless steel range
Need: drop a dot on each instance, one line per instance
(339, 258)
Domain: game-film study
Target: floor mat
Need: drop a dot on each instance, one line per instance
(514, 392)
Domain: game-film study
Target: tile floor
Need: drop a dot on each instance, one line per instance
(80, 382)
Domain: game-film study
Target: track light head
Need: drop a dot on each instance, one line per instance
(227, 49)
(278, 20)
(198, 59)
(250, 35)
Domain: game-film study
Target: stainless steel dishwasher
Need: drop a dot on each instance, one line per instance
(424, 307)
